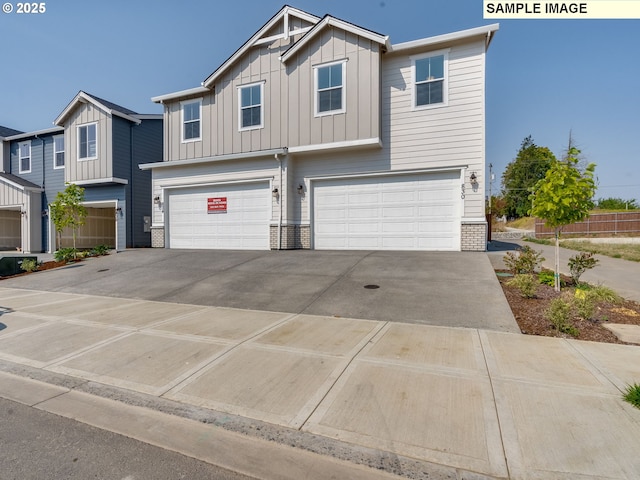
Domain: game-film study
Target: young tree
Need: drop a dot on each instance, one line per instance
(612, 203)
(562, 197)
(529, 166)
(67, 211)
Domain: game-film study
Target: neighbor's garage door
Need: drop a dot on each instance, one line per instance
(406, 212)
(10, 229)
(225, 216)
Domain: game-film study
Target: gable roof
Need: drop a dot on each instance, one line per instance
(257, 38)
(104, 105)
(8, 132)
(328, 20)
(37, 133)
(19, 182)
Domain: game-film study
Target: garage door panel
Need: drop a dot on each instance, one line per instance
(244, 224)
(405, 212)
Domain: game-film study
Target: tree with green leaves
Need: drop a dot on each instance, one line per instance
(564, 196)
(612, 203)
(67, 210)
(530, 166)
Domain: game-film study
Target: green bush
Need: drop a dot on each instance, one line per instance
(604, 294)
(632, 395)
(100, 250)
(29, 265)
(524, 260)
(65, 254)
(585, 303)
(580, 263)
(525, 283)
(546, 277)
(558, 314)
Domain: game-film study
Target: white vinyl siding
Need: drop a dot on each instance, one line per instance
(250, 101)
(191, 125)
(24, 157)
(330, 88)
(58, 152)
(88, 142)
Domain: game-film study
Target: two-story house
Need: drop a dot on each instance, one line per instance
(318, 133)
(96, 144)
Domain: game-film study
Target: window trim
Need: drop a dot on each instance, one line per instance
(182, 121)
(86, 125)
(20, 157)
(445, 81)
(63, 151)
(316, 92)
(240, 88)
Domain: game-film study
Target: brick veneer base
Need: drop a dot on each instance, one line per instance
(293, 237)
(474, 237)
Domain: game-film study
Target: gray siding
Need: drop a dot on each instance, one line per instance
(79, 170)
(288, 101)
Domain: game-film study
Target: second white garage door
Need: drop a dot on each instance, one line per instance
(220, 217)
(405, 212)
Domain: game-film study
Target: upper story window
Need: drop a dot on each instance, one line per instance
(191, 114)
(330, 88)
(250, 101)
(88, 141)
(25, 157)
(58, 152)
(429, 74)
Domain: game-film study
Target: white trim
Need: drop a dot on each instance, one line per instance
(219, 158)
(318, 147)
(23, 188)
(20, 157)
(182, 93)
(37, 133)
(97, 181)
(83, 97)
(182, 121)
(285, 36)
(78, 127)
(445, 81)
(446, 38)
(212, 184)
(149, 116)
(473, 221)
(240, 107)
(64, 152)
(387, 173)
(316, 91)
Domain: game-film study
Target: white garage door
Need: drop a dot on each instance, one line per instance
(220, 217)
(406, 212)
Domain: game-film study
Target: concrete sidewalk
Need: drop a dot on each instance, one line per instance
(401, 399)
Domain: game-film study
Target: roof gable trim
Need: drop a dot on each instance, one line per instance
(84, 98)
(257, 38)
(341, 24)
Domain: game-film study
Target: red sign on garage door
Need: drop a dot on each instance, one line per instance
(217, 205)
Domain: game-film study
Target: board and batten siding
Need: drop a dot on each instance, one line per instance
(11, 196)
(445, 137)
(82, 170)
(288, 100)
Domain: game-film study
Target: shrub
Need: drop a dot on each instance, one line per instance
(100, 250)
(29, 265)
(525, 283)
(546, 277)
(524, 260)
(604, 294)
(585, 303)
(632, 395)
(65, 254)
(580, 263)
(558, 314)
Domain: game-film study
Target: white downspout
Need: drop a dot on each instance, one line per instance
(279, 200)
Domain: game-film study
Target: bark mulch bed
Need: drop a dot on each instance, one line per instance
(530, 313)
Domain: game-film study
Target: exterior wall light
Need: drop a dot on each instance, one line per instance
(275, 193)
(156, 200)
(474, 179)
(300, 189)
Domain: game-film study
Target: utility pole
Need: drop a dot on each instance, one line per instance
(490, 182)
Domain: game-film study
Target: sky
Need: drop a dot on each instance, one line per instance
(545, 78)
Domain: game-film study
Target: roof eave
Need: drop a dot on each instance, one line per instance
(45, 131)
(181, 94)
(487, 30)
(82, 97)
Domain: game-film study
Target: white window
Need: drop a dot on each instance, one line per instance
(330, 88)
(88, 142)
(191, 114)
(24, 157)
(430, 80)
(250, 101)
(58, 152)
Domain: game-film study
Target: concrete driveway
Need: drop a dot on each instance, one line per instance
(435, 288)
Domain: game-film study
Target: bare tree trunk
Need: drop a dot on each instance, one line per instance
(556, 275)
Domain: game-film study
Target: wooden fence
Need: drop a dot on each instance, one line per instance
(600, 224)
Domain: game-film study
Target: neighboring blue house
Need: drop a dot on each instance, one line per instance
(96, 144)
